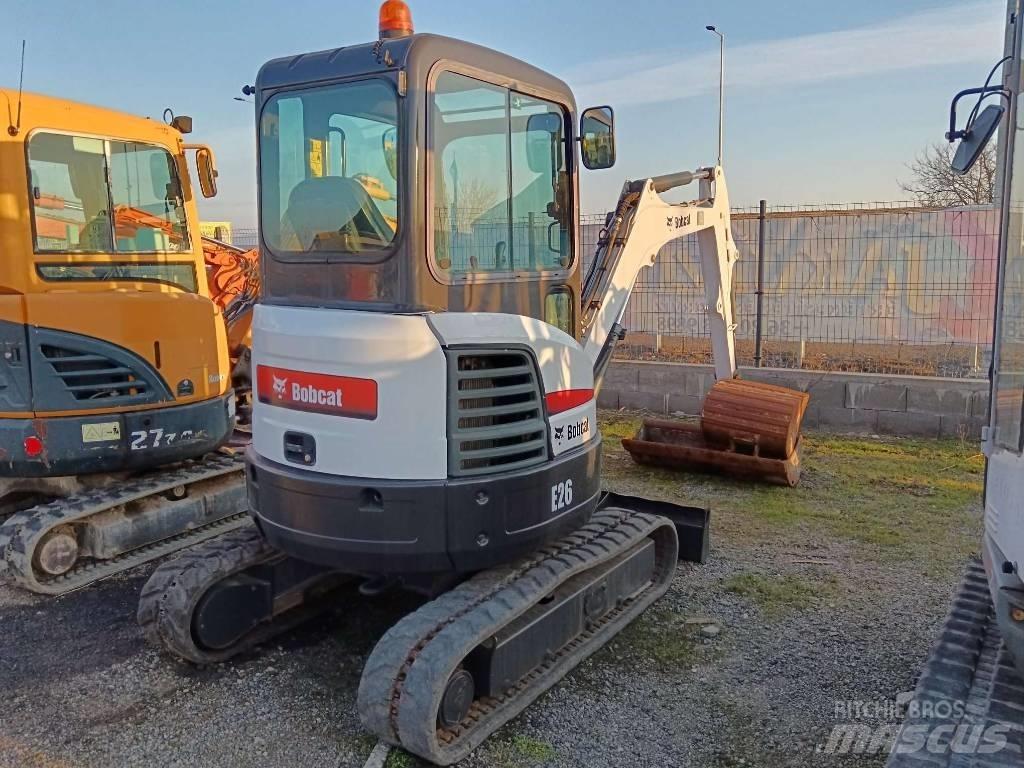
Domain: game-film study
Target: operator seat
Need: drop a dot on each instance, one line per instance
(326, 208)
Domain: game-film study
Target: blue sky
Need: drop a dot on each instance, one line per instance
(825, 101)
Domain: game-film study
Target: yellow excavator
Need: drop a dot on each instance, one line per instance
(123, 344)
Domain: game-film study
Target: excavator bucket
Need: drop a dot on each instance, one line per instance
(747, 429)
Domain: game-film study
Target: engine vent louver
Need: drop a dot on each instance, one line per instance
(89, 377)
(495, 414)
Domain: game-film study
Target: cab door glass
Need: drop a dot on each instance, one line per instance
(68, 189)
(471, 176)
(502, 192)
(1009, 373)
(541, 206)
(149, 207)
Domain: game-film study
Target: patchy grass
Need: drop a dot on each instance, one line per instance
(398, 758)
(916, 500)
(534, 750)
(776, 595)
(517, 751)
(663, 638)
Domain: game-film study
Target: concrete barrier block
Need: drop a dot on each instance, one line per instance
(909, 424)
(622, 375)
(688, 404)
(782, 379)
(698, 382)
(847, 419)
(812, 417)
(962, 427)
(828, 393)
(644, 401)
(661, 378)
(876, 396)
(979, 404)
(608, 398)
(933, 397)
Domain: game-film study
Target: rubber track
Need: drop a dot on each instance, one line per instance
(968, 664)
(170, 596)
(404, 679)
(22, 532)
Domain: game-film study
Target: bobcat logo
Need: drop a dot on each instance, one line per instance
(559, 433)
(279, 386)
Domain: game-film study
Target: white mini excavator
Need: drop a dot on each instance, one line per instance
(426, 360)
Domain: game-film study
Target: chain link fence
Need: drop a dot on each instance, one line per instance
(876, 288)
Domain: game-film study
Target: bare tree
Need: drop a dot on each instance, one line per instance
(474, 198)
(934, 182)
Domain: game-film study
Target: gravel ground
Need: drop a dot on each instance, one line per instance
(742, 663)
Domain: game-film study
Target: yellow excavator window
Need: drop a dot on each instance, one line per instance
(92, 195)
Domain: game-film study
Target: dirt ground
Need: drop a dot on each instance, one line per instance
(814, 598)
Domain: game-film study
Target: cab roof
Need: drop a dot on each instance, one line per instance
(416, 54)
(39, 111)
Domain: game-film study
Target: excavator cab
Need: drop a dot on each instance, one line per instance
(419, 174)
(115, 358)
(419, 339)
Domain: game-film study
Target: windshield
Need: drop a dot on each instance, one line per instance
(328, 165)
(103, 196)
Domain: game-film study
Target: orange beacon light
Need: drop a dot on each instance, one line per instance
(395, 19)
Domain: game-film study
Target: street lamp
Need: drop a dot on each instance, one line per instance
(721, 88)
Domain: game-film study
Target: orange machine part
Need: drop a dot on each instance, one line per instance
(763, 418)
(233, 276)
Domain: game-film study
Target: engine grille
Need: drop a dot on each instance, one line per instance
(91, 376)
(495, 414)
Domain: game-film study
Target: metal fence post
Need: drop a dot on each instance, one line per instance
(761, 217)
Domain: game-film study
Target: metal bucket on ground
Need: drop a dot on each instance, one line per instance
(747, 429)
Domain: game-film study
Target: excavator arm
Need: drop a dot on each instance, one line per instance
(634, 234)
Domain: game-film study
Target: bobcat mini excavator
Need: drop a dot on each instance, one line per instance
(118, 329)
(425, 395)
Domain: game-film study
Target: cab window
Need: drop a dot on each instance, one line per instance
(329, 170)
(500, 181)
(92, 195)
(1009, 375)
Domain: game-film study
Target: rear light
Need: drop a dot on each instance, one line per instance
(395, 20)
(33, 446)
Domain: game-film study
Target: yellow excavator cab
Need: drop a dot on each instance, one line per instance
(112, 354)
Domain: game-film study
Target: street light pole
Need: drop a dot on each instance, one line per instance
(721, 89)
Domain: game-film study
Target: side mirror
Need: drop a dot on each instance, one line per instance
(182, 123)
(389, 145)
(976, 138)
(597, 138)
(206, 170)
(544, 142)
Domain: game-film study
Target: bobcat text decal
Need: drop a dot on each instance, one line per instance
(317, 392)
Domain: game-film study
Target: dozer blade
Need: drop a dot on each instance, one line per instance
(447, 676)
(748, 429)
(66, 544)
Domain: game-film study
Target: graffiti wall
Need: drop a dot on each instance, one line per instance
(882, 276)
